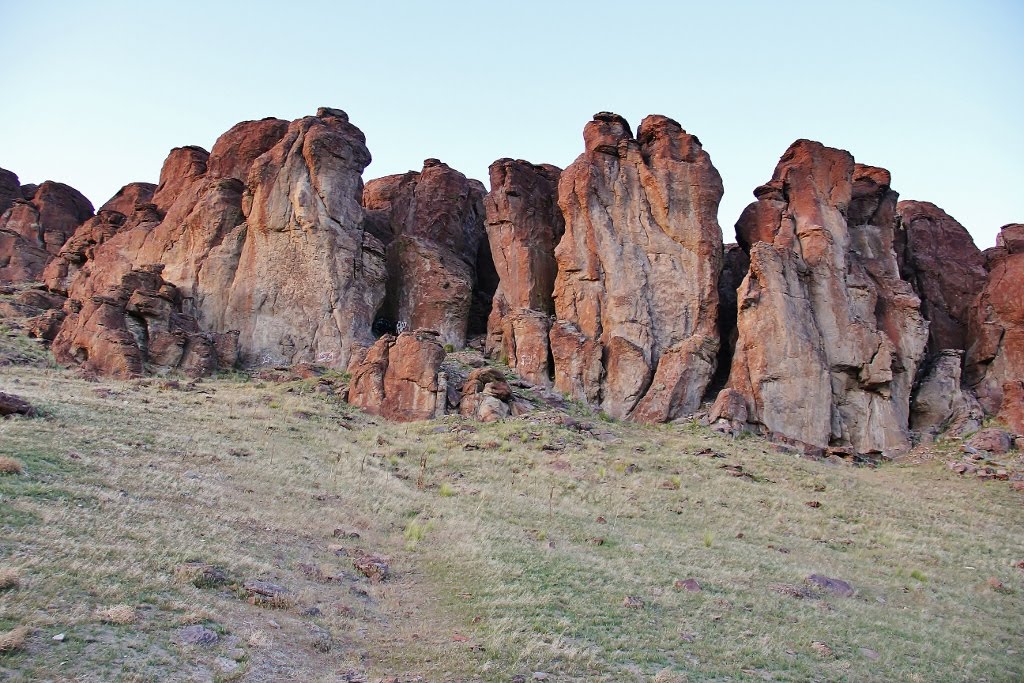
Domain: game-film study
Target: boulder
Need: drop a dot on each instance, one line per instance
(437, 239)
(938, 257)
(829, 336)
(400, 378)
(524, 223)
(636, 295)
(486, 395)
(138, 327)
(994, 365)
(10, 189)
(994, 441)
(33, 230)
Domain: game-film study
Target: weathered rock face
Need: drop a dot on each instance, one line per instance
(10, 189)
(80, 247)
(281, 258)
(136, 327)
(524, 224)
(939, 404)
(735, 264)
(300, 279)
(830, 337)
(994, 365)
(636, 292)
(399, 378)
(939, 259)
(32, 231)
(436, 220)
(128, 197)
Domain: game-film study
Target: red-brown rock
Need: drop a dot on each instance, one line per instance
(994, 365)
(10, 189)
(436, 219)
(524, 223)
(137, 327)
(939, 259)
(32, 231)
(830, 337)
(400, 378)
(128, 197)
(80, 247)
(636, 292)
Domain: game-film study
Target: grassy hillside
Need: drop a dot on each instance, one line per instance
(525, 547)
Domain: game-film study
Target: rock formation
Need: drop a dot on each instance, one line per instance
(940, 404)
(399, 378)
(939, 259)
(33, 229)
(635, 295)
(830, 337)
(137, 327)
(282, 258)
(994, 365)
(435, 220)
(524, 224)
(128, 197)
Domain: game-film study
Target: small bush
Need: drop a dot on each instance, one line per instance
(416, 531)
(118, 614)
(14, 639)
(449, 348)
(446, 490)
(918, 575)
(8, 579)
(10, 466)
(708, 539)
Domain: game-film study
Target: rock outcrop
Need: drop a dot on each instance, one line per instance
(994, 365)
(938, 257)
(636, 292)
(128, 197)
(263, 236)
(940, 404)
(137, 327)
(524, 224)
(830, 337)
(33, 230)
(400, 377)
(435, 220)
(10, 189)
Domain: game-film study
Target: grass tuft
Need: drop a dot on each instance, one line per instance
(10, 465)
(121, 615)
(9, 579)
(14, 639)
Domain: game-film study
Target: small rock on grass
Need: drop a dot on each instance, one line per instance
(822, 648)
(373, 567)
(834, 586)
(197, 635)
(869, 653)
(633, 602)
(690, 585)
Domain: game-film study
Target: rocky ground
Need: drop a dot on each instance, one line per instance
(257, 528)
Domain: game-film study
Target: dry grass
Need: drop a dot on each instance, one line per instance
(9, 579)
(10, 466)
(490, 532)
(121, 615)
(14, 639)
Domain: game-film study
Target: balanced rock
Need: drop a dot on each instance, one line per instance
(435, 220)
(938, 257)
(33, 230)
(994, 365)
(399, 378)
(829, 336)
(636, 295)
(524, 224)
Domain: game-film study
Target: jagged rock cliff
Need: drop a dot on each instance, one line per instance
(829, 336)
(636, 292)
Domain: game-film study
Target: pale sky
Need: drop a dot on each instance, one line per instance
(96, 93)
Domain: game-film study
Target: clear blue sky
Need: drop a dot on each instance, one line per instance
(96, 93)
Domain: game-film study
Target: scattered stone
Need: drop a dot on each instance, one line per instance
(345, 533)
(15, 405)
(201, 574)
(374, 567)
(834, 586)
(601, 520)
(540, 676)
(312, 612)
(322, 640)
(690, 585)
(798, 592)
(197, 635)
(266, 593)
(994, 441)
(822, 648)
(813, 504)
(59, 637)
(633, 602)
